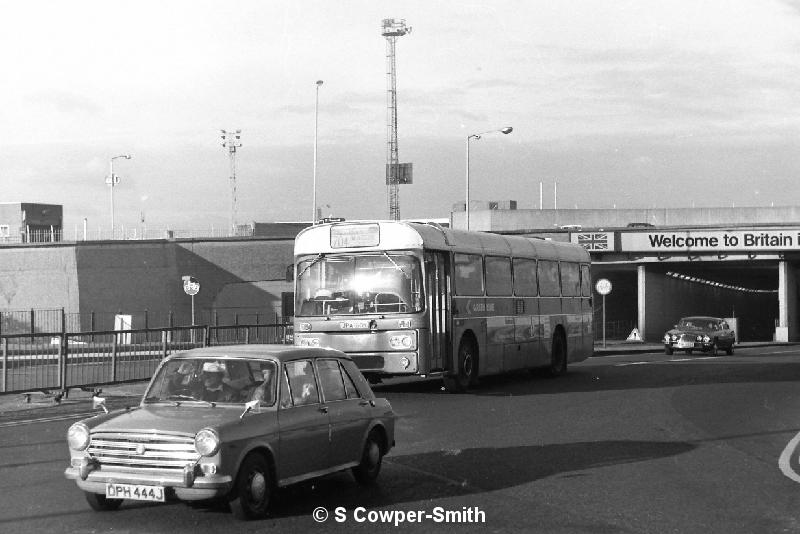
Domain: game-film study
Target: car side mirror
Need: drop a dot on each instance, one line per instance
(250, 406)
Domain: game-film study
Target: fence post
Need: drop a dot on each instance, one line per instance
(164, 341)
(33, 321)
(114, 358)
(206, 336)
(5, 363)
(246, 335)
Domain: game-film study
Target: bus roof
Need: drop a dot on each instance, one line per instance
(364, 236)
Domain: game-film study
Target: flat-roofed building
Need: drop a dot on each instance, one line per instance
(30, 222)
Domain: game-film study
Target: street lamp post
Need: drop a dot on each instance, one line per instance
(314, 185)
(113, 180)
(506, 130)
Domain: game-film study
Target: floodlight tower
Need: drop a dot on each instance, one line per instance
(232, 141)
(395, 172)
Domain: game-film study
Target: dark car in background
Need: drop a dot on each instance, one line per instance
(233, 424)
(700, 333)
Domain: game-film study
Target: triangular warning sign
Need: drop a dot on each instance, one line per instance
(634, 335)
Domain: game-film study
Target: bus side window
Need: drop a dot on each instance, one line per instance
(498, 276)
(570, 279)
(469, 274)
(525, 284)
(549, 283)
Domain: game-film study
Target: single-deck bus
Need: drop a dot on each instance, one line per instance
(407, 298)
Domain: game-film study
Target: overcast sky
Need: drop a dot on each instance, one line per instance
(623, 104)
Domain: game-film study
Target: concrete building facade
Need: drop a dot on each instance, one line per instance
(738, 263)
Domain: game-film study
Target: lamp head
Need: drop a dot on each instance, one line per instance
(319, 82)
(507, 130)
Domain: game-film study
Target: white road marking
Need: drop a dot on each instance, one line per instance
(673, 360)
(47, 419)
(785, 460)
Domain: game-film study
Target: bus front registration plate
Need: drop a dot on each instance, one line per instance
(354, 325)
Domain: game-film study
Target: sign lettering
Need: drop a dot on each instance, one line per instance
(712, 241)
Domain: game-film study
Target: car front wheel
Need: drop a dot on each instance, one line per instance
(252, 489)
(101, 503)
(668, 350)
(367, 471)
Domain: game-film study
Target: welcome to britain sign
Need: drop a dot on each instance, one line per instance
(775, 240)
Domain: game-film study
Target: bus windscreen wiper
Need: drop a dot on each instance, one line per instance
(311, 264)
(396, 266)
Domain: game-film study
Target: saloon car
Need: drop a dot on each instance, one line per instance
(705, 334)
(233, 424)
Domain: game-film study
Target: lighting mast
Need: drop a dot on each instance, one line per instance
(396, 173)
(232, 141)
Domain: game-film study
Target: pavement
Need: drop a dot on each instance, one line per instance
(18, 406)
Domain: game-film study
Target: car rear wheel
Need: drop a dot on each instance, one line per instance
(729, 350)
(668, 351)
(714, 349)
(101, 503)
(252, 489)
(689, 352)
(368, 470)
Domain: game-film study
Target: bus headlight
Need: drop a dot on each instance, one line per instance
(309, 342)
(402, 341)
(78, 437)
(206, 442)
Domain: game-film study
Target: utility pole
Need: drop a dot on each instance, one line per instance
(232, 141)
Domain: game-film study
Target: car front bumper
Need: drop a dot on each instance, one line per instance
(684, 345)
(181, 486)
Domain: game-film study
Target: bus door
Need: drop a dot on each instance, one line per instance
(437, 282)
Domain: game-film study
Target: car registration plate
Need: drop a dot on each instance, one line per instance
(136, 492)
(685, 344)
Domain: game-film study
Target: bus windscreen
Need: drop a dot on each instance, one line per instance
(354, 284)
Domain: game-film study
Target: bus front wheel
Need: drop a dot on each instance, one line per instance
(467, 367)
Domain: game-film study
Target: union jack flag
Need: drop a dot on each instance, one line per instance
(594, 240)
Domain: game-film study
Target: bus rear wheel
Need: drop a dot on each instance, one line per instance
(558, 356)
(467, 368)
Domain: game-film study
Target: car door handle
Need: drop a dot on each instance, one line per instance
(323, 409)
(367, 402)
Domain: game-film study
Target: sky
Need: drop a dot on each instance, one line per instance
(613, 104)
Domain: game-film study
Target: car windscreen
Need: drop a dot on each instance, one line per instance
(216, 380)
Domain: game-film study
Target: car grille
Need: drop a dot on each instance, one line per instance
(143, 450)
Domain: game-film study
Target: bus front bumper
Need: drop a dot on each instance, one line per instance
(391, 363)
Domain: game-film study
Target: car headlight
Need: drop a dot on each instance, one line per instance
(699, 338)
(666, 338)
(206, 442)
(674, 337)
(706, 339)
(78, 437)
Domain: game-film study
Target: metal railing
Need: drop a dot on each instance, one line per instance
(60, 361)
